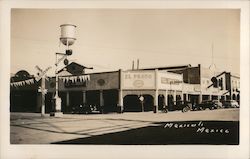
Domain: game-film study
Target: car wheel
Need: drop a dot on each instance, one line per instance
(186, 109)
(165, 111)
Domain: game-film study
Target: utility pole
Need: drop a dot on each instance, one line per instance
(67, 38)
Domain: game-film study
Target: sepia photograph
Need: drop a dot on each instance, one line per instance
(126, 76)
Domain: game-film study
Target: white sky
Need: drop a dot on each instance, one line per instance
(109, 39)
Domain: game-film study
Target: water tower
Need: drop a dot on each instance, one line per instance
(67, 38)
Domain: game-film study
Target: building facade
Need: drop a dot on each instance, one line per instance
(124, 90)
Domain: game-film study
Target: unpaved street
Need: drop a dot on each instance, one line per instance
(30, 128)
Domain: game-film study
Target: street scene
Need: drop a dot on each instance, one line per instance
(125, 77)
(144, 128)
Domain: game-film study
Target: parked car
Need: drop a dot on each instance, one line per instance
(230, 104)
(184, 106)
(204, 105)
(218, 104)
(83, 109)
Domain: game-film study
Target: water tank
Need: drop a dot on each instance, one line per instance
(68, 34)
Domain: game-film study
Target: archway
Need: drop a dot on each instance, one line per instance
(238, 98)
(148, 102)
(228, 97)
(170, 102)
(161, 102)
(234, 97)
(132, 103)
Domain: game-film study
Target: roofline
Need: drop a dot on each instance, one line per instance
(167, 67)
(235, 76)
(87, 74)
(224, 72)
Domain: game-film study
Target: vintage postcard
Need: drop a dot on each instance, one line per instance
(132, 76)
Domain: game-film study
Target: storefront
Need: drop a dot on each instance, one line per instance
(119, 91)
(149, 90)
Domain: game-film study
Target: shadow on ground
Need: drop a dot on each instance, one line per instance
(188, 132)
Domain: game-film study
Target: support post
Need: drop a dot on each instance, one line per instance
(182, 96)
(84, 98)
(166, 99)
(57, 99)
(219, 97)
(200, 98)
(209, 97)
(120, 102)
(67, 99)
(174, 95)
(156, 92)
(120, 107)
(101, 101)
(186, 96)
(43, 96)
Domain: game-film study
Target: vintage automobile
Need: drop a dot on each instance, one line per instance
(208, 104)
(184, 106)
(230, 104)
(83, 109)
(218, 104)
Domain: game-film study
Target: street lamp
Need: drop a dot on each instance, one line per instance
(67, 38)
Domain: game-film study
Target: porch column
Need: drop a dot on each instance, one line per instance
(219, 97)
(182, 97)
(174, 95)
(166, 99)
(156, 92)
(67, 99)
(210, 97)
(84, 98)
(200, 98)
(101, 101)
(156, 101)
(186, 96)
(120, 107)
(120, 102)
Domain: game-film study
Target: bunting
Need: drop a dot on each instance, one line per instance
(22, 83)
(82, 78)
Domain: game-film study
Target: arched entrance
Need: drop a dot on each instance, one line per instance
(238, 98)
(132, 103)
(170, 102)
(178, 98)
(148, 103)
(228, 97)
(234, 97)
(161, 102)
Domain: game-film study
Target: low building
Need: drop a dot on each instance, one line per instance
(149, 89)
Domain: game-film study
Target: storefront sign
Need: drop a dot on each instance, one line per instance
(139, 80)
(71, 83)
(170, 81)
